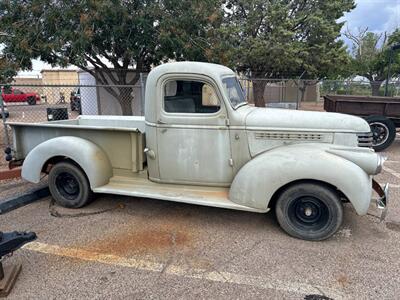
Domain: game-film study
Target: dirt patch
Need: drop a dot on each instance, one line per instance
(158, 236)
(146, 241)
(393, 226)
(343, 280)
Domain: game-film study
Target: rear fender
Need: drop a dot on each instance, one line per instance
(86, 154)
(258, 180)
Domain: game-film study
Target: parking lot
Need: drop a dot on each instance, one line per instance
(121, 247)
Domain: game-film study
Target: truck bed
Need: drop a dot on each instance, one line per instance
(122, 138)
(364, 106)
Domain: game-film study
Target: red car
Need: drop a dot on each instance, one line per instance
(14, 95)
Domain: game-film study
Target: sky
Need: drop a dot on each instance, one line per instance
(377, 15)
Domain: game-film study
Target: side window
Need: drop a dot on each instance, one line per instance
(17, 92)
(183, 96)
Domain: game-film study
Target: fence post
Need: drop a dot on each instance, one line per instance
(142, 93)
(3, 117)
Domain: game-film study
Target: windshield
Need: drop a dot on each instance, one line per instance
(234, 91)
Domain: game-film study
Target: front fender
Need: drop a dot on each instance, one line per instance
(258, 180)
(86, 154)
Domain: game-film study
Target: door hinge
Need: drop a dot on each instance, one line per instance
(227, 122)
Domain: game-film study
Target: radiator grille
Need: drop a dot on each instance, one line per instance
(365, 139)
(288, 136)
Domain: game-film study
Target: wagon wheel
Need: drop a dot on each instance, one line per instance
(383, 132)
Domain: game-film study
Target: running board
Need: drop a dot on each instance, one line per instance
(199, 195)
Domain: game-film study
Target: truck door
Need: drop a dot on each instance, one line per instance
(192, 133)
(18, 95)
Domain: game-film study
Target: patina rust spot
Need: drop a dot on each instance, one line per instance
(343, 280)
(216, 194)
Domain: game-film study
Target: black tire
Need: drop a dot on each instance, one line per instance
(309, 211)
(383, 131)
(31, 101)
(69, 185)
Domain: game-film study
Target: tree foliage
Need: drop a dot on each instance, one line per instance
(8, 70)
(107, 38)
(286, 38)
(371, 56)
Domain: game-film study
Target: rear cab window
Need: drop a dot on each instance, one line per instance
(188, 96)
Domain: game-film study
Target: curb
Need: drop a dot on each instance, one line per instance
(25, 199)
(10, 174)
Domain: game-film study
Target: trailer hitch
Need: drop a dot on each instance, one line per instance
(10, 242)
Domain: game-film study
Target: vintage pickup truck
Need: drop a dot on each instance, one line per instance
(201, 143)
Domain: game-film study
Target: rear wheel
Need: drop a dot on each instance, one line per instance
(309, 211)
(383, 132)
(31, 101)
(69, 185)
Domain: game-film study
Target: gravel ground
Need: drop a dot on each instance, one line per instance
(122, 247)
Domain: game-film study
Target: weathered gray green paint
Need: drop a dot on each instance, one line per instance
(234, 158)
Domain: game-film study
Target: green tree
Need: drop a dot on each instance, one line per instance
(371, 55)
(7, 70)
(107, 38)
(286, 38)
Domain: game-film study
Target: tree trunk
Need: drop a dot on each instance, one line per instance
(302, 92)
(375, 86)
(125, 99)
(258, 92)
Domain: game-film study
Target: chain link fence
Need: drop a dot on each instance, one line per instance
(40, 103)
(358, 87)
(289, 93)
(281, 93)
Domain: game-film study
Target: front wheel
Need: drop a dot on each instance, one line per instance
(309, 211)
(69, 185)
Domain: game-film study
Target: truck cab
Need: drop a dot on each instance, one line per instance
(200, 142)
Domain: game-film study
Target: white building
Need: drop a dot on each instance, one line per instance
(96, 100)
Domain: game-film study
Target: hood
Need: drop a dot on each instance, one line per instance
(273, 118)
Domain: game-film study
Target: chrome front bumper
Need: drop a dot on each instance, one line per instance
(382, 201)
